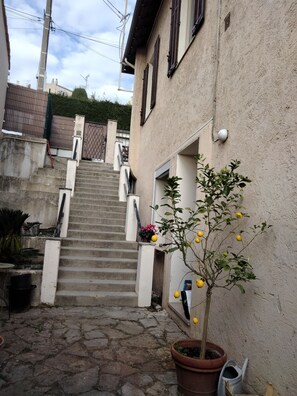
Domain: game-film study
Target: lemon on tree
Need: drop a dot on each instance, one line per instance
(195, 320)
(239, 215)
(199, 283)
(238, 237)
(200, 233)
(176, 294)
(197, 240)
(154, 238)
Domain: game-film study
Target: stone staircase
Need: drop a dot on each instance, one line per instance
(97, 265)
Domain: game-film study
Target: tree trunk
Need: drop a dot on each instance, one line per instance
(205, 323)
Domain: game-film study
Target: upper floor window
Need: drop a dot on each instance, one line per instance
(149, 89)
(186, 19)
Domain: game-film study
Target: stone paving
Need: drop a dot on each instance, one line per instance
(87, 351)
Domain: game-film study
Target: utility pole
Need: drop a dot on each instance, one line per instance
(44, 46)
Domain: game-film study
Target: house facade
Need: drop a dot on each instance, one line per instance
(4, 59)
(201, 66)
(55, 88)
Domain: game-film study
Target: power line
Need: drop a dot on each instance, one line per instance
(26, 17)
(91, 49)
(15, 11)
(113, 8)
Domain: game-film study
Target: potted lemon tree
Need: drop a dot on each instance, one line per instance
(211, 239)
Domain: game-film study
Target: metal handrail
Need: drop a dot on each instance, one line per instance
(121, 156)
(60, 217)
(137, 214)
(75, 150)
(128, 182)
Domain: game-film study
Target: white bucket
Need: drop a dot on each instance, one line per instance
(232, 374)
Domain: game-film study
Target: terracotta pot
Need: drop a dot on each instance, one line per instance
(197, 377)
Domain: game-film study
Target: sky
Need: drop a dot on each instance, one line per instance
(92, 63)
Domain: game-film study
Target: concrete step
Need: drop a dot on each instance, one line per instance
(98, 207)
(112, 236)
(97, 273)
(87, 299)
(96, 227)
(98, 244)
(103, 202)
(96, 285)
(42, 187)
(92, 164)
(112, 196)
(97, 220)
(82, 262)
(95, 187)
(99, 176)
(99, 252)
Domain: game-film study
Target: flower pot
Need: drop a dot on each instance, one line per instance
(198, 377)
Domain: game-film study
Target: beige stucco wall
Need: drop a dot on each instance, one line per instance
(4, 65)
(246, 82)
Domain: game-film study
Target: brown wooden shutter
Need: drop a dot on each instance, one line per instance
(155, 72)
(198, 16)
(144, 95)
(174, 31)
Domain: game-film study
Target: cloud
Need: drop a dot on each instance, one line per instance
(70, 57)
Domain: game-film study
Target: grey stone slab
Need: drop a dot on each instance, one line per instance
(69, 363)
(158, 389)
(108, 382)
(130, 389)
(141, 379)
(81, 382)
(141, 342)
(117, 368)
(96, 343)
(95, 333)
(130, 328)
(148, 322)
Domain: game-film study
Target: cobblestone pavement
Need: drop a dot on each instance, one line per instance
(87, 351)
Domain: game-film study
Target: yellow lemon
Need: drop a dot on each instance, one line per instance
(154, 238)
(176, 294)
(199, 283)
(195, 320)
(197, 240)
(238, 237)
(239, 215)
(200, 233)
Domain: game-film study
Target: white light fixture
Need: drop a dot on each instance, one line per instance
(222, 135)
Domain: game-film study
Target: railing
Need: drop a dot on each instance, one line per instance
(60, 217)
(75, 150)
(120, 156)
(128, 184)
(137, 215)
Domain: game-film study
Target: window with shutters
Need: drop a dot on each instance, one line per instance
(186, 19)
(149, 89)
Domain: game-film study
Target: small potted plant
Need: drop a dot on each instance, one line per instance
(148, 233)
(211, 239)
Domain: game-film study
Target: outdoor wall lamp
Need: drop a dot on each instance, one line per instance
(222, 135)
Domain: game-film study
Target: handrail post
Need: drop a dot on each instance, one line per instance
(50, 271)
(145, 269)
(79, 126)
(71, 175)
(117, 150)
(123, 187)
(111, 138)
(131, 226)
(66, 210)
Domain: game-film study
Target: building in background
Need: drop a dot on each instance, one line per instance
(55, 88)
